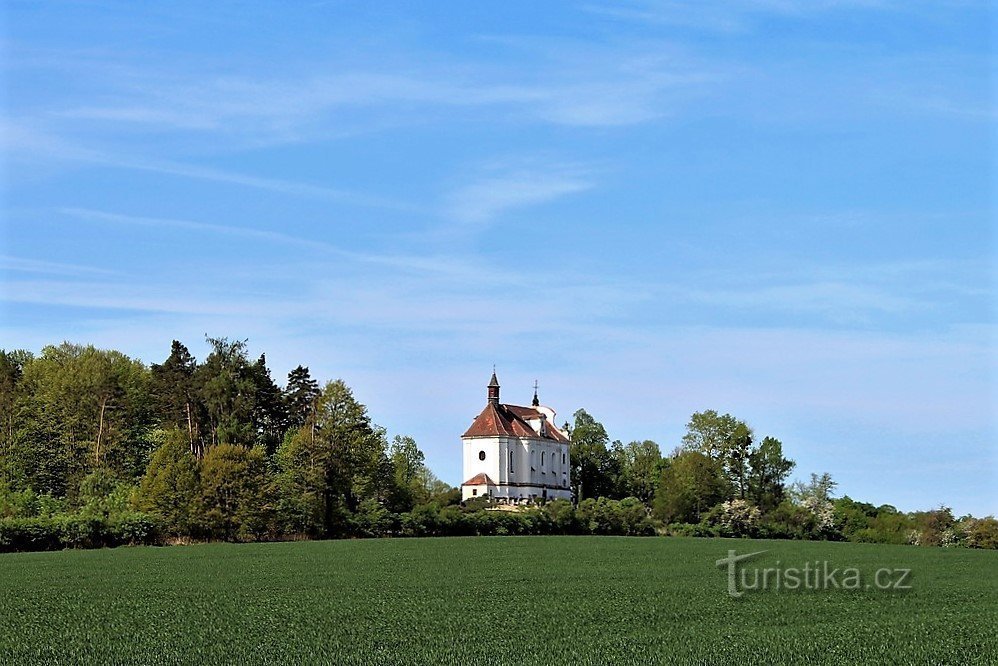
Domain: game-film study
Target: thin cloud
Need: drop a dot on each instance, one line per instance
(23, 265)
(574, 85)
(30, 144)
(440, 265)
(479, 202)
(736, 16)
(202, 227)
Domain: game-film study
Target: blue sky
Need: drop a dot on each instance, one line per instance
(781, 210)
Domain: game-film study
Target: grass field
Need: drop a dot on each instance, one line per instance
(502, 600)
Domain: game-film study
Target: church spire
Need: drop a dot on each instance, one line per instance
(494, 389)
(535, 402)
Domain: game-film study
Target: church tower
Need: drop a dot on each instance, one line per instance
(494, 389)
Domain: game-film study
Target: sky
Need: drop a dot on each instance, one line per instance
(781, 210)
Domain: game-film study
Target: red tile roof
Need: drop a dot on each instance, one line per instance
(479, 480)
(511, 421)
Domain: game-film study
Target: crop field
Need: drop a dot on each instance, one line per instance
(502, 600)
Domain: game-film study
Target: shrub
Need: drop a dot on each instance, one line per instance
(981, 532)
(737, 518)
(76, 531)
(24, 534)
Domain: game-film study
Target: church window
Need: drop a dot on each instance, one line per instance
(481, 455)
(562, 458)
(542, 461)
(510, 462)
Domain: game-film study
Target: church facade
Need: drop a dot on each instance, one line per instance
(515, 454)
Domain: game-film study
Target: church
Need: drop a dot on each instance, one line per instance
(514, 454)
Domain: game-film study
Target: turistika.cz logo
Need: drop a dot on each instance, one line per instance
(816, 575)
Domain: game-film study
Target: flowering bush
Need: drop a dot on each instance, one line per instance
(739, 517)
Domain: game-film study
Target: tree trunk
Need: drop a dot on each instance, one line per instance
(190, 427)
(100, 431)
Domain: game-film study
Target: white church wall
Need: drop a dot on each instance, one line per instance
(474, 465)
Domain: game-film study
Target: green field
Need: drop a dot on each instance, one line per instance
(502, 600)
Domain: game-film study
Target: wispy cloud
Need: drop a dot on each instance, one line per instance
(577, 84)
(501, 189)
(732, 16)
(438, 265)
(261, 235)
(118, 295)
(30, 144)
(24, 265)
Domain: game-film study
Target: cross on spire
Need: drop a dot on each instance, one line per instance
(536, 402)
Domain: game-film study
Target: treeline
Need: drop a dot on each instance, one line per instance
(723, 481)
(97, 449)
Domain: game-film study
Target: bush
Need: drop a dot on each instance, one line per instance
(981, 532)
(25, 534)
(134, 529)
(76, 531)
(736, 518)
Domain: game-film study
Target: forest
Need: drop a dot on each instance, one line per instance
(99, 449)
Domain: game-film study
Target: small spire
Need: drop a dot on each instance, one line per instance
(536, 402)
(494, 388)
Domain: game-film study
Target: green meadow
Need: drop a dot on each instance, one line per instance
(499, 600)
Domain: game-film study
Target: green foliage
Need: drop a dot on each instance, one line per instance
(327, 468)
(174, 393)
(409, 472)
(639, 467)
(768, 471)
(593, 469)
(171, 487)
(227, 385)
(752, 473)
(980, 532)
(80, 408)
(690, 485)
(233, 492)
(76, 531)
(97, 450)
(626, 517)
(300, 395)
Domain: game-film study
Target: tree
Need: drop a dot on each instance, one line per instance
(815, 497)
(640, 465)
(818, 489)
(725, 439)
(591, 461)
(227, 388)
(233, 491)
(171, 487)
(269, 411)
(175, 395)
(768, 470)
(409, 473)
(710, 433)
(81, 408)
(333, 463)
(11, 369)
(690, 485)
(300, 396)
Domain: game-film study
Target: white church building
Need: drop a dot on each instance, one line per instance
(515, 454)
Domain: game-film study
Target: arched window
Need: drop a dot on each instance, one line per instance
(542, 461)
(562, 458)
(510, 462)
